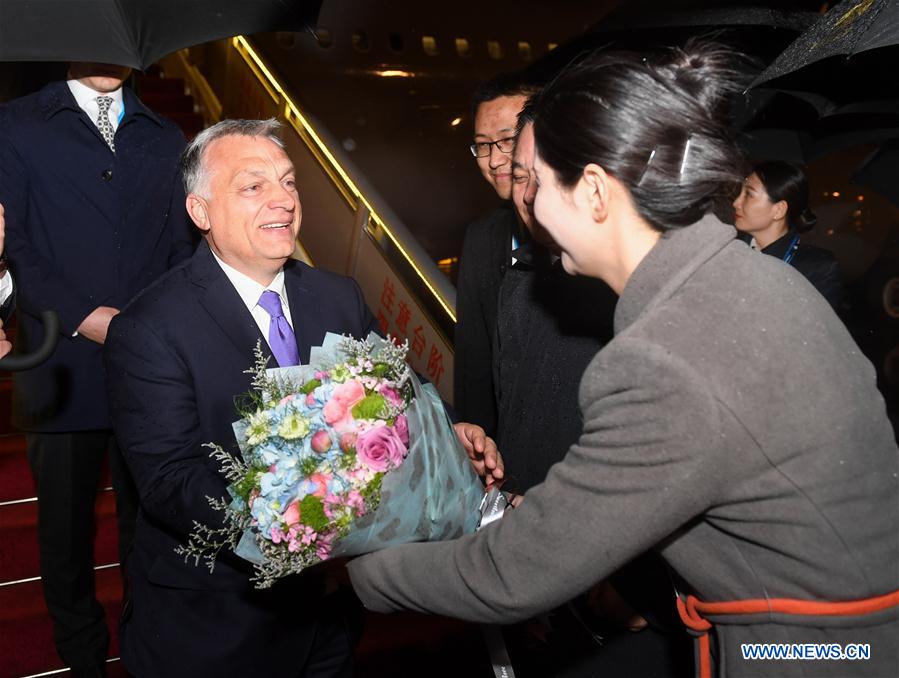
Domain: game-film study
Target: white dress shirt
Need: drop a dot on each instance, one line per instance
(5, 287)
(250, 291)
(86, 98)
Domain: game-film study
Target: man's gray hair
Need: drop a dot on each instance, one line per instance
(195, 174)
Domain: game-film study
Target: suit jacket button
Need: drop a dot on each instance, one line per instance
(107, 175)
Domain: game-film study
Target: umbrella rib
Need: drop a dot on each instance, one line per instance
(126, 26)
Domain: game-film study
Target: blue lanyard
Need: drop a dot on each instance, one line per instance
(791, 250)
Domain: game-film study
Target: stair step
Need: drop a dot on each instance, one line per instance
(15, 475)
(18, 538)
(167, 103)
(6, 406)
(26, 632)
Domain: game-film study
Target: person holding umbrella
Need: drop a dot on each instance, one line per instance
(779, 518)
(94, 212)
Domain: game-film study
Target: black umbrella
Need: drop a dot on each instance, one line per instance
(791, 129)
(840, 44)
(880, 171)
(136, 33)
(667, 14)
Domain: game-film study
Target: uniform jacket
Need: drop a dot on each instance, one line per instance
(85, 228)
(731, 425)
(818, 265)
(176, 359)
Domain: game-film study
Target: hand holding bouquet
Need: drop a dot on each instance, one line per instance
(340, 457)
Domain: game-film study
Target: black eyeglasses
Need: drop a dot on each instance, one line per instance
(481, 149)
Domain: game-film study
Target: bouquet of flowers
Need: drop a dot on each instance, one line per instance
(340, 457)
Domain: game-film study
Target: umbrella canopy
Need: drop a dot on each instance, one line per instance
(848, 29)
(880, 171)
(136, 33)
(790, 129)
(651, 14)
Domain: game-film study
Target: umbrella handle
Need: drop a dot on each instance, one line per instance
(19, 363)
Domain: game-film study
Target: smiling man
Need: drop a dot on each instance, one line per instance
(487, 250)
(175, 361)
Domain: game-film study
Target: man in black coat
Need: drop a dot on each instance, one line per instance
(94, 214)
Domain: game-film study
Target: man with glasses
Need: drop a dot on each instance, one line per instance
(487, 250)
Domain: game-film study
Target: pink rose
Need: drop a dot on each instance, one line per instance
(380, 448)
(321, 441)
(292, 514)
(286, 399)
(310, 399)
(402, 429)
(338, 410)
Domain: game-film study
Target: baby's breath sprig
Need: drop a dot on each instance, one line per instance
(205, 543)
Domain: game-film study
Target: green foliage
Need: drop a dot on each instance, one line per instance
(308, 466)
(371, 494)
(312, 513)
(381, 370)
(372, 406)
(310, 386)
(248, 483)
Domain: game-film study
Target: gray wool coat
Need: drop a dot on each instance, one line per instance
(732, 424)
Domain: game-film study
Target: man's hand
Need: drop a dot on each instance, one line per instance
(5, 346)
(95, 325)
(482, 452)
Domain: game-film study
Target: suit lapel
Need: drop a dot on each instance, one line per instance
(225, 306)
(304, 310)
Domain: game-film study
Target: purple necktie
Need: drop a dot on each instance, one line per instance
(281, 338)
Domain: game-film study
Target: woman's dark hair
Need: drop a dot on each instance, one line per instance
(786, 181)
(659, 124)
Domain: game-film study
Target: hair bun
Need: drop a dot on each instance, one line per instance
(707, 71)
(806, 221)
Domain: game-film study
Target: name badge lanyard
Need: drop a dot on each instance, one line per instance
(791, 250)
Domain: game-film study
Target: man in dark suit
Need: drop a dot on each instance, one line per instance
(176, 358)
(94, 212)
(487, 250)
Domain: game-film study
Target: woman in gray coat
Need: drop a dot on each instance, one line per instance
(731, 424)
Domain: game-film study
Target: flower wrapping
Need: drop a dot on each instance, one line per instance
(346, 455)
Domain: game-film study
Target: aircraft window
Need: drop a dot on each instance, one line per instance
(463, 47)
(524, 50)
(396, 43)
(323, 36)
(361, 42)
(429, 45)
(494, 49)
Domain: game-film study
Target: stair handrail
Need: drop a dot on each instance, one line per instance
(386, 230)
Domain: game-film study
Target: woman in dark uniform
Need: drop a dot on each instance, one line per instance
(772, 210)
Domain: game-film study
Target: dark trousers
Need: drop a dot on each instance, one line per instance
(66, 469)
